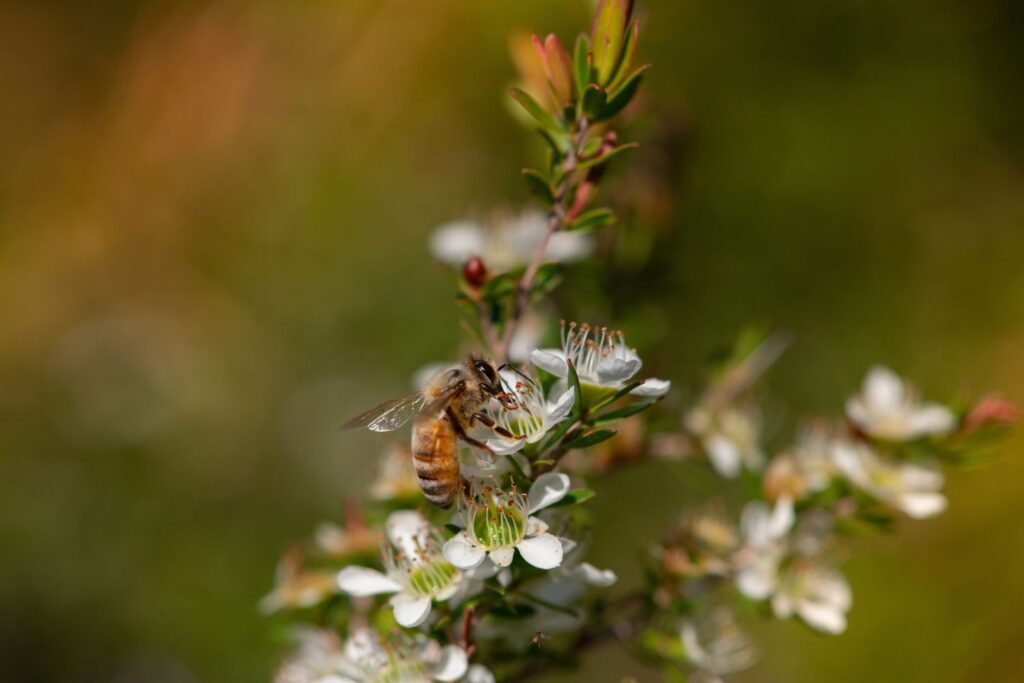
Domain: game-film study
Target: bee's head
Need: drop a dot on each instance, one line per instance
(484, 372)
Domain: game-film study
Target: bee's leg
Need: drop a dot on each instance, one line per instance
(492, 425)
(453, 418)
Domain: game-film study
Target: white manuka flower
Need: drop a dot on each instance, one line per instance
(816, 592)
(888, 408)
(507, 242)
(366, 658)
(911, 488)
(717, 645)
(500, 522)
(601, 359)
(806, 468)
(417, 572)
(526, 413)
(730, 437)
(768, 568)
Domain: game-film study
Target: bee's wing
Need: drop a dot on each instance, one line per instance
(388, 416)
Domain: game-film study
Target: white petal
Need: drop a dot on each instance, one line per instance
(562, 406)
(503, 446)
(505, 577)
(597, 577)
(652, 388)
(407, 528)
(502, 556)
(823, 617)
(535, 525)
(566, 247)
(360, 581)
(484, 570)
(922, 505)
(455, 243)
(568, 545)
(615, 370)
(756, 581)
(410, 611)
(782, 518)
(461, 552)
(551, 360)
(479, 674)
(543, 551)
(548, 489)
(883, 389)
(932, 418)
(451, 665)
(724, 455)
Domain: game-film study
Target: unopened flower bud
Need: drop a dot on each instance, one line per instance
(475, 272)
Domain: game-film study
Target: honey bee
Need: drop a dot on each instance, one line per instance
(443, 413)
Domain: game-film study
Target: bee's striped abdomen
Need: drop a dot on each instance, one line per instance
(435, 459)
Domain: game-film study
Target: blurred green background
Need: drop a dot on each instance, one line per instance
(213, 226)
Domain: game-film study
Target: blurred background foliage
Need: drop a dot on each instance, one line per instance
(213, 226)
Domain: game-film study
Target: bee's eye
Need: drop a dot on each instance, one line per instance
(486, 370)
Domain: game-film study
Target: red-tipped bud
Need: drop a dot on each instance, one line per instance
(608, 35)
(609, 142)
(990, 411)
(559, 69)
(475, 272)
(584, 193)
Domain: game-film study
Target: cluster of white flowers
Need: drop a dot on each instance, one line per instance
(419, 591)
(366, 658)
(506, 242)
(782, 550)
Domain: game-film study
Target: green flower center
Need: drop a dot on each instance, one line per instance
(498, 526)
(431, 578)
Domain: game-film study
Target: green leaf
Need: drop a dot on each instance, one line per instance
(501, 286)
(539, 185)
(618, 394)
(624, 412)
(591, 146)
(577, 390)
(594, 100)
(581, 64)
(608, 33)
(510, 610)
(615, 151)
(621, 97)
(575, 497)
(588, 221)
(547, 278)
(591, 438)
(626, 58)
(539, 113)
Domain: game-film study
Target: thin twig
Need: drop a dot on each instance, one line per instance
(555, 223)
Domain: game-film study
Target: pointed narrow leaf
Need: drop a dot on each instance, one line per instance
(575, 497)
(607, 35)
(591, 146)
(539, 185)
(591, 438)
(595, 219)
(596, 161)
(547, 278)
(559, 66)
(619, 99)
(533, 108)
(624, 412)
(581, 64)
(626, 58)
(577, 390)
(594, 100)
